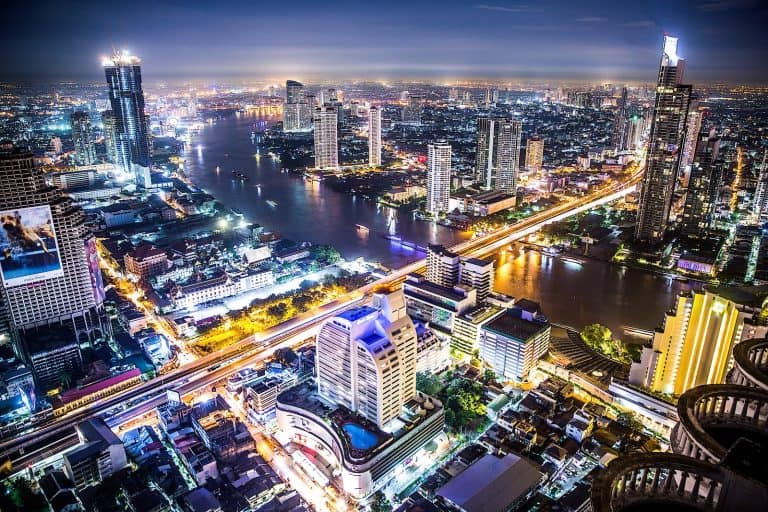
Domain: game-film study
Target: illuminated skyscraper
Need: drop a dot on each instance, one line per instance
(703, 185)
(498, 153)
(326, 138)
(438, 177)
(760, 204)
(534, 154)
(366, 359)
(374, 137)
(693, 127)
(665, 146)
(297, 111)
(110, 137)
(620, 123)
(132, 143)
(53, 276)
(82, 138)
(694, 345)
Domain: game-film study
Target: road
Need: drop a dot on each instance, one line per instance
(35, 446)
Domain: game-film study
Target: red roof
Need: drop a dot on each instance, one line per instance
(76, 394)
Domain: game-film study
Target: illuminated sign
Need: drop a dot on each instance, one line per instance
(29, 251)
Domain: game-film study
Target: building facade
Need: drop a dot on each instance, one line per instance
(513, 342)
(326, 138)
(534, 154)
(703, 185)
(438, 177)
(670, 114)
(82, 138)
(374, 137)
(498, 153)
(126, 96)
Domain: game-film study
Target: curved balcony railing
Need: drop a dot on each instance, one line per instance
(750, 364)
(659, 478)
(706, 410)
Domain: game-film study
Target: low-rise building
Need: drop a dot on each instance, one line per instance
(99, 455)
(146, 261)
(513, 342)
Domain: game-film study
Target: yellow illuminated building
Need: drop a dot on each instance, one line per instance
(695, 342)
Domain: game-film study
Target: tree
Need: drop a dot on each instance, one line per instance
(428, 383)
(629, 419)
(380, 503)
(489, 376)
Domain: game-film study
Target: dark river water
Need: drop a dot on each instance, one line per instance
(569, 293)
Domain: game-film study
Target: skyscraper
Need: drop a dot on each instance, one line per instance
(620, 123)
(110, 137)
(123, 72)
(534, 153)
(374, 137)
(326, 138)
(412, 110)
(438, 177)
(703, 184)
(297, 111)
(82, 138)
(52, 278)
(665, 146)
(760, 204)
(498, 153)
(692, 129)
(366, 359)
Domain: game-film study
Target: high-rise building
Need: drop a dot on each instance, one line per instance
(443, 266)
(760, 204)
(620, 123)
(412, 110)
(513, 342)
(438, 177)
(534, 154)
(695, 343)
(498, 153)
(50, 270)
(85, 150)
(366, 359)
(665, 146)
(326, 138)
(478, 274)
(635, 129)
(374, 137)
(110, 136)
(297, 110)
(703, 185)
(126, 96)
(692, 129)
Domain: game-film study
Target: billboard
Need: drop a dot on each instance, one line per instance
(29, 251)
(97, 283)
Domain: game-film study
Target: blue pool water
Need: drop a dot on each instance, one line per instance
(359, 437)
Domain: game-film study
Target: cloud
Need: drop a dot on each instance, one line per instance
(503, 8)
(590, 19)
(639, 24)
(725, 5)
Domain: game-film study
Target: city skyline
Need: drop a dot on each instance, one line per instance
(453, 41)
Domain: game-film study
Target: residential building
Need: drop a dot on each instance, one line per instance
(703, 185)
(513, 342)
(99, 455)
(374, 136)
(498, 154)
(620, 123)
(82, 137)
(326, 138)
(438, 178)
(443, 266)
(534, 154)
(437, 305)
(760, 204)
(477, 273)
(297, 109)
(665, 146)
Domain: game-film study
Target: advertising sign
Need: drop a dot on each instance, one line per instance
(29, 251)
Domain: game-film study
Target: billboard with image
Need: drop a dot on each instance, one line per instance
(29, 250)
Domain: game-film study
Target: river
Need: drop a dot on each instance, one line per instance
(569, 293)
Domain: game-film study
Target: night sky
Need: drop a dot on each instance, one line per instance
(564, 39)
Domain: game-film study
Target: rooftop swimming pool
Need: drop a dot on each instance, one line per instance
(359, 437)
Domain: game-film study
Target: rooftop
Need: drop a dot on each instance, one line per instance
(512, 325)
